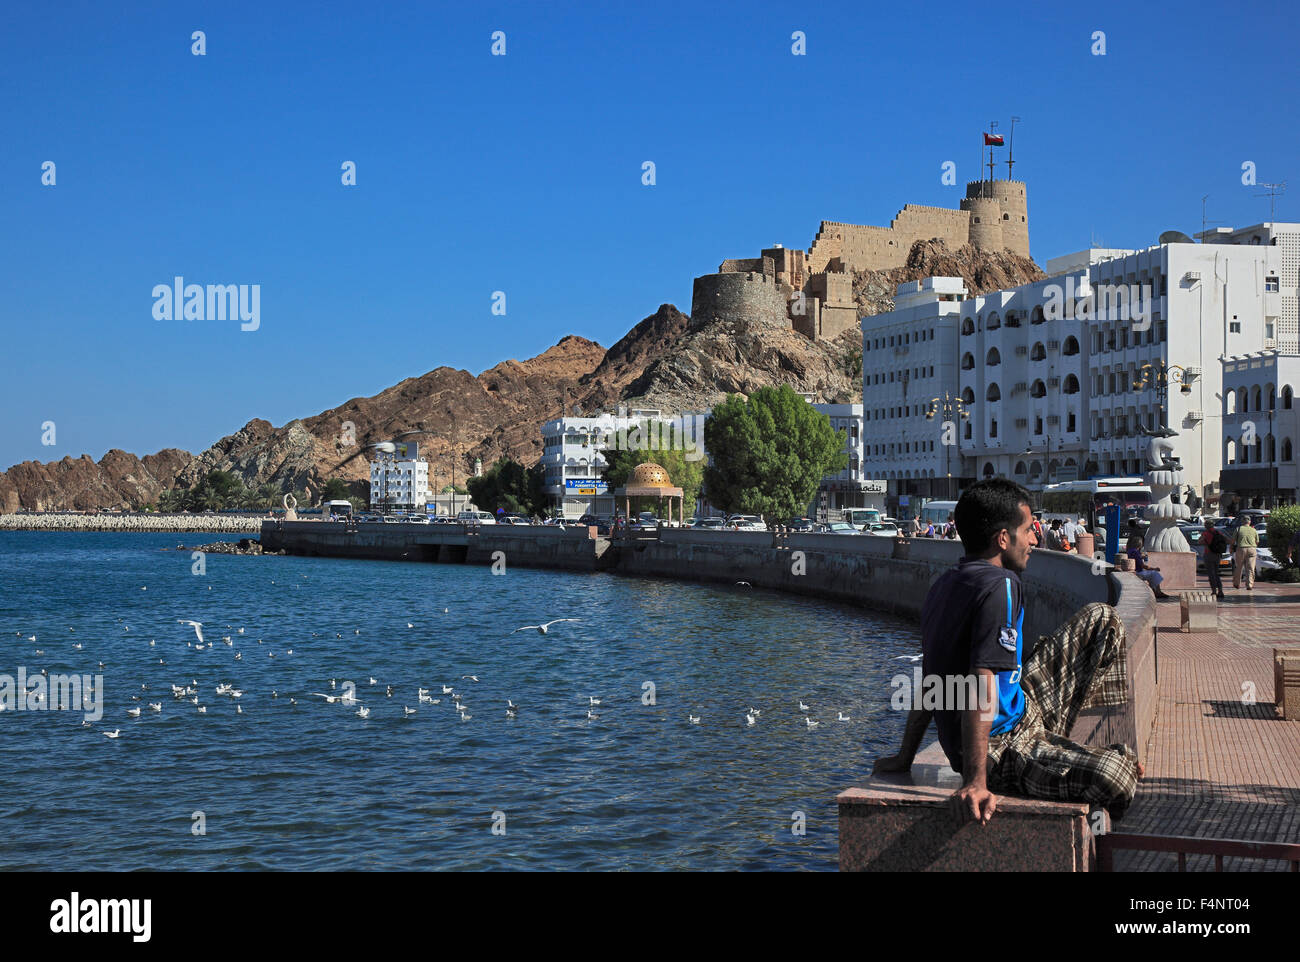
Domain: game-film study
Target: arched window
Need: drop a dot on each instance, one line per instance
(1020, 469)
(1071, 346)
(1230, 453)
(967, 396)
(1038, 352)
(968, 431)
(1053, 467)
(1270, 449)
(1039, 389)
(1259, 399)
(1272, 398)
(1286, 449)
(1071, 384)
(993, 322)
(968, 361)
(1035, 470)
(993, 358)
(1259, 450)
(1287, 395)
(967, 326)
(993, 393)
(1036, 315)
(1229, 401)
(988, 469)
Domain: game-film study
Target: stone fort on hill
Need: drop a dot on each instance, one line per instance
(812, 291)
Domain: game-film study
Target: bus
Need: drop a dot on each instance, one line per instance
(861, 516)
(937, 512)
(340, 509)
(1085, 499)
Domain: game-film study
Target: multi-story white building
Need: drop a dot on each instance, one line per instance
(575, 467)
(910, 391)
(1261, 430)
(399, 483)
(1063, 373)
(847, 488)
(1285, 335)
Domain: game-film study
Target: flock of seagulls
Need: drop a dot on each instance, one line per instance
(348, 698)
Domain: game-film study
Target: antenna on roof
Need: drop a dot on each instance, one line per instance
(1271, 193)
(1011, 146)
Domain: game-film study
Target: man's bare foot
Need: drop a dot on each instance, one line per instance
(1141, 769)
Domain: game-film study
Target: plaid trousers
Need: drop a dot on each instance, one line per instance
(1081, 665)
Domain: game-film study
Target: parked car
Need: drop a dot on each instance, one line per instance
(417, 519)
(708, 523)
(476, 517)
(800, 524)
(512, 519)
(882, 530)
(840, 527)
(746, 522)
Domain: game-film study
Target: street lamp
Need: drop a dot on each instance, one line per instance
(1047, 458)
(950, 407)
(1158, 376)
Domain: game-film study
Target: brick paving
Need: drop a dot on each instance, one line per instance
(1218, 765)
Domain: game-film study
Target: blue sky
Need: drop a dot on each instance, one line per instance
(522, 173)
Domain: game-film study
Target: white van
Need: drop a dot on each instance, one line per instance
(476, 517)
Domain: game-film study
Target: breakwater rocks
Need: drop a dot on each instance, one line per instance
(207, 523)
(245, 546)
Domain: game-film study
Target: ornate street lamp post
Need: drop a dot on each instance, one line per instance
(952, 409)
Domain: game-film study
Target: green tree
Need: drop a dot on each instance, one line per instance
(769, 453)
(685, 473)
(336, 489)
(1282, 526)
(510, 486)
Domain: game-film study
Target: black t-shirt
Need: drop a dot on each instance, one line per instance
(964, 626)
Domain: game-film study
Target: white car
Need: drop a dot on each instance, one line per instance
(476, 517)
(881, 530)
(746, 522)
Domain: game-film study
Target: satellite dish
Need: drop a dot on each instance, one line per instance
(1175, 237)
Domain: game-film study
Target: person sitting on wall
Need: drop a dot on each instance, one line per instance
(1014, 739)
(1151, 576)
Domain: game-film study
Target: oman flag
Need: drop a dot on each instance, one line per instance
(992, 140)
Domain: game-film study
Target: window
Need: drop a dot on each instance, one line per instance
(1071, 346)
(1270, 284)
(1069, 424)
(1234, 327)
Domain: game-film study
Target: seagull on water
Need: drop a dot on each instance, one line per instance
(802, 706)
(373, 682)
(909, 658)
(843, 717)
(133, 712)
(197, 625)
(203, 709)
(592, 701)
(811, 723)
(363, 712)
(447, 690)
(409, 711)
(465, 716)
(156, 705)
(754, 711)
(591, 715)
(115, 733)
(693, 719)
(409, 625)
(542, 628)
(750, 719)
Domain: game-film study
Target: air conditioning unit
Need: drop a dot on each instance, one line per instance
(1053, 382)
(1053, 419)
(1053, 345)
(1021, 386)
(1021, 351)
(1022, 422)
(1192, 276)
(1195, 416)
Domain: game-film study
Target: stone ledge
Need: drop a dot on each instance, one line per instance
(901, 823)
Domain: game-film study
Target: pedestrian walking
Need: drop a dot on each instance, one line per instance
(1215, 547)
(1246, 542)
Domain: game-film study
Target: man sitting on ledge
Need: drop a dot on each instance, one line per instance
(971, 628)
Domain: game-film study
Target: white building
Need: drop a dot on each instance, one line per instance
(909, 370)
(848, 488)
(1286, 239)
(399, 483)
(572, 446)
(1261, 429)
(1060, 373)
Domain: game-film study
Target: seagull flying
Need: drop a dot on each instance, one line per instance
(542, 628)
(197, 625)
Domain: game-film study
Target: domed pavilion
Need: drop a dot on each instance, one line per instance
(650, 480)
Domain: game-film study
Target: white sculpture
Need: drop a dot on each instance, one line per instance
(1166, 480)
(290, 508)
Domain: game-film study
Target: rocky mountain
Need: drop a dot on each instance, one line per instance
(666, 361)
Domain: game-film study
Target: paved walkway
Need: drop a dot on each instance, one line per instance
(1218, 765)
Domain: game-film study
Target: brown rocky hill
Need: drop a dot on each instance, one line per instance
(666, 361)
(119, 480)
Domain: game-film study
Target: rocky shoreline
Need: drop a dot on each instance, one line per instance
(244, 546)
(214, 524)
